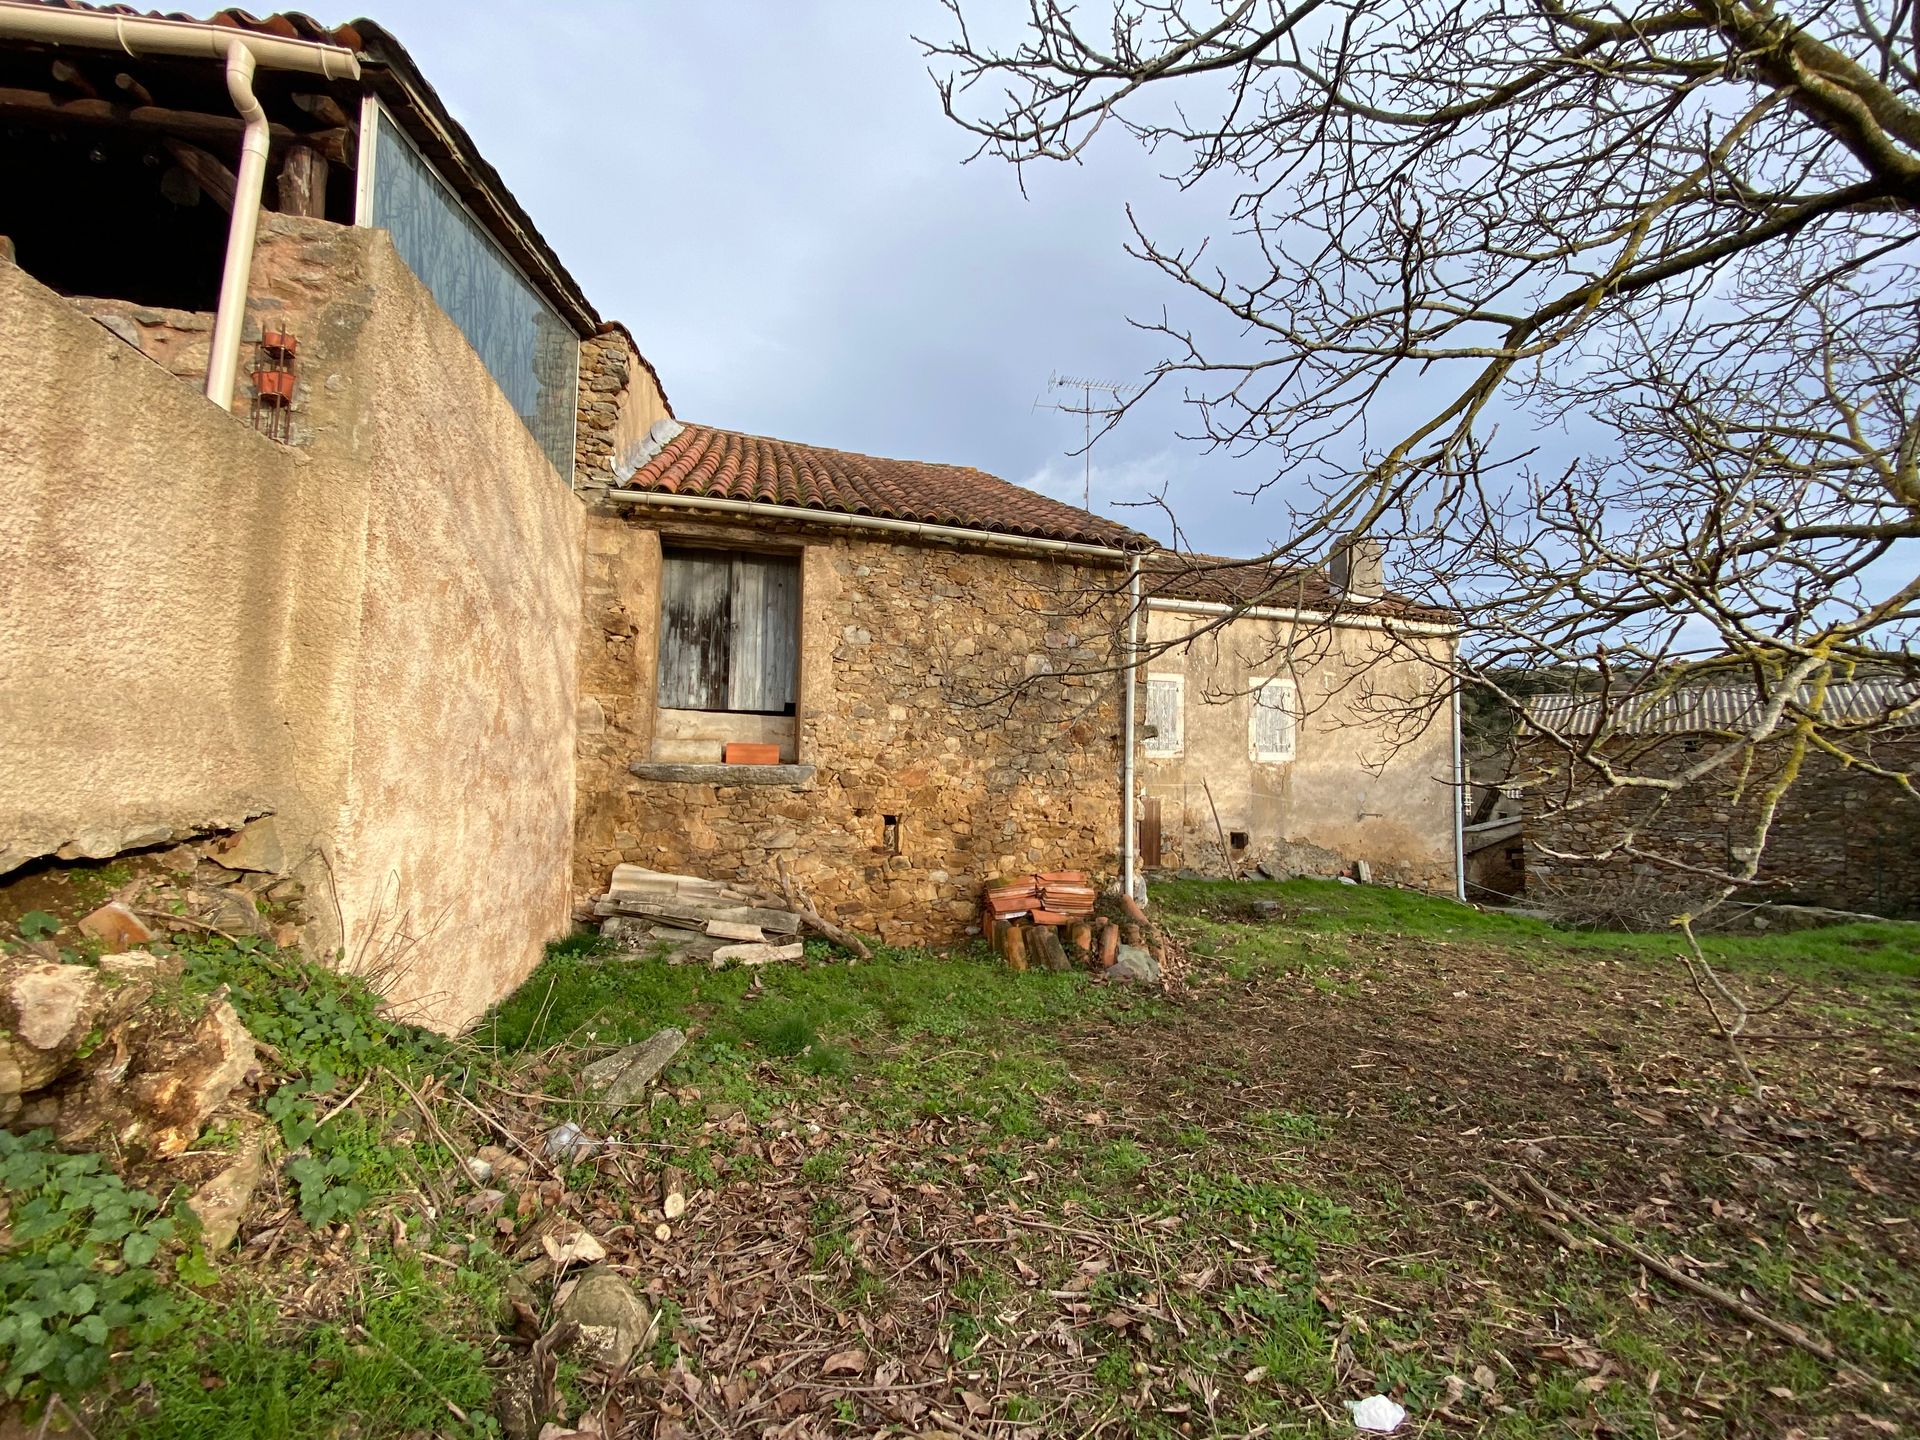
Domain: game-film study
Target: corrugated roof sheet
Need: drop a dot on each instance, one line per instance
(728, 465)
(1221, 580)
(1707, 709)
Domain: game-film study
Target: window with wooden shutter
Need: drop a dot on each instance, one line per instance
(1166, 714)
(729, 631)
(1275, 720)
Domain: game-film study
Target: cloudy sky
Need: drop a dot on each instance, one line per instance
(770, 197)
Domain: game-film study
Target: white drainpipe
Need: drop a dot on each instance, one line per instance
(1459, 792)
(242, 51)
(1130, 678)
(224, 363)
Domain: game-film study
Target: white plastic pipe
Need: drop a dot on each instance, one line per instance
(243, 51)
(151, 35)
(1131, 678)
(223, 365)
(1459, 792)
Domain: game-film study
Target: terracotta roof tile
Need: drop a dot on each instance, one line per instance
(1221, 580)
(727, 465)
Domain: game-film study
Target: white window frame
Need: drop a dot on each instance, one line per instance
(1159, 746)
(1292, 707)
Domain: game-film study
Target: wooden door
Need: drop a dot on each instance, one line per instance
(1149, 828)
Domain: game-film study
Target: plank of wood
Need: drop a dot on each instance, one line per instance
(741, 752)
(765, 643)
(695, 914)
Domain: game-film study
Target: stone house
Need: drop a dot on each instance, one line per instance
(340, 520)
(1298, 721)
(1844, 839)
(930, 654)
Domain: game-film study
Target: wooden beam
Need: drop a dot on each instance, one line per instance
(303, 182)
(70, 75)
(323, 108)
(134, 88)
(195, 125)
(208, 173)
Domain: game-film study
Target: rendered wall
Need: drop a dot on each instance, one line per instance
(372, 635)
(904, 648)
(180, 603)
(1371, 777)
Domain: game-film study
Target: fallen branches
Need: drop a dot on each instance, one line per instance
(1701, 974)
(1603, 1238)
(798, 902)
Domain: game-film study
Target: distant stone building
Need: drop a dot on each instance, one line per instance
(1843, 838)
(1299, 721)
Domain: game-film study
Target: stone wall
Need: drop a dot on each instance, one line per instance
(1842, 838)
(619, 402)
(179, 341)
(906, 650)
(1372, 773)
(370, 635)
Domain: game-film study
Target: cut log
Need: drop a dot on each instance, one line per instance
(211, 128)
(673, 1193)
(1016, 951)
(303, 183)
(1046, 945)
(623, 1077)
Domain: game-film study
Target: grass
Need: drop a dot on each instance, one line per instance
(1205, 1216)
(1328, 912)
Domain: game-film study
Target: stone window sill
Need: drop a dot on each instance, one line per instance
(791, 776)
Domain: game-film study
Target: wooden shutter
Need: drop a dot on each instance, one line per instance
(1166, 704)
(766, 613)
(729, 631)
(696, 603)
(1149, 828)
(1273, 720)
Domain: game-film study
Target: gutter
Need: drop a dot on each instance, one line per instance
(1459, 794)
(796, 515)
(1131, 679)
(243, 52)
(1316, 617)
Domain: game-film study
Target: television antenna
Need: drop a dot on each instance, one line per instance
(1086, 410)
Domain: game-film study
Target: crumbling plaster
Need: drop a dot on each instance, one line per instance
(1371, 777)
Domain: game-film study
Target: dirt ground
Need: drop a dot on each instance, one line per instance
(1227, 1215)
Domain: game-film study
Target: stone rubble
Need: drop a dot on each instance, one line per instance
(81, 1051)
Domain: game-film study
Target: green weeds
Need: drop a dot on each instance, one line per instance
(78, 1274)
